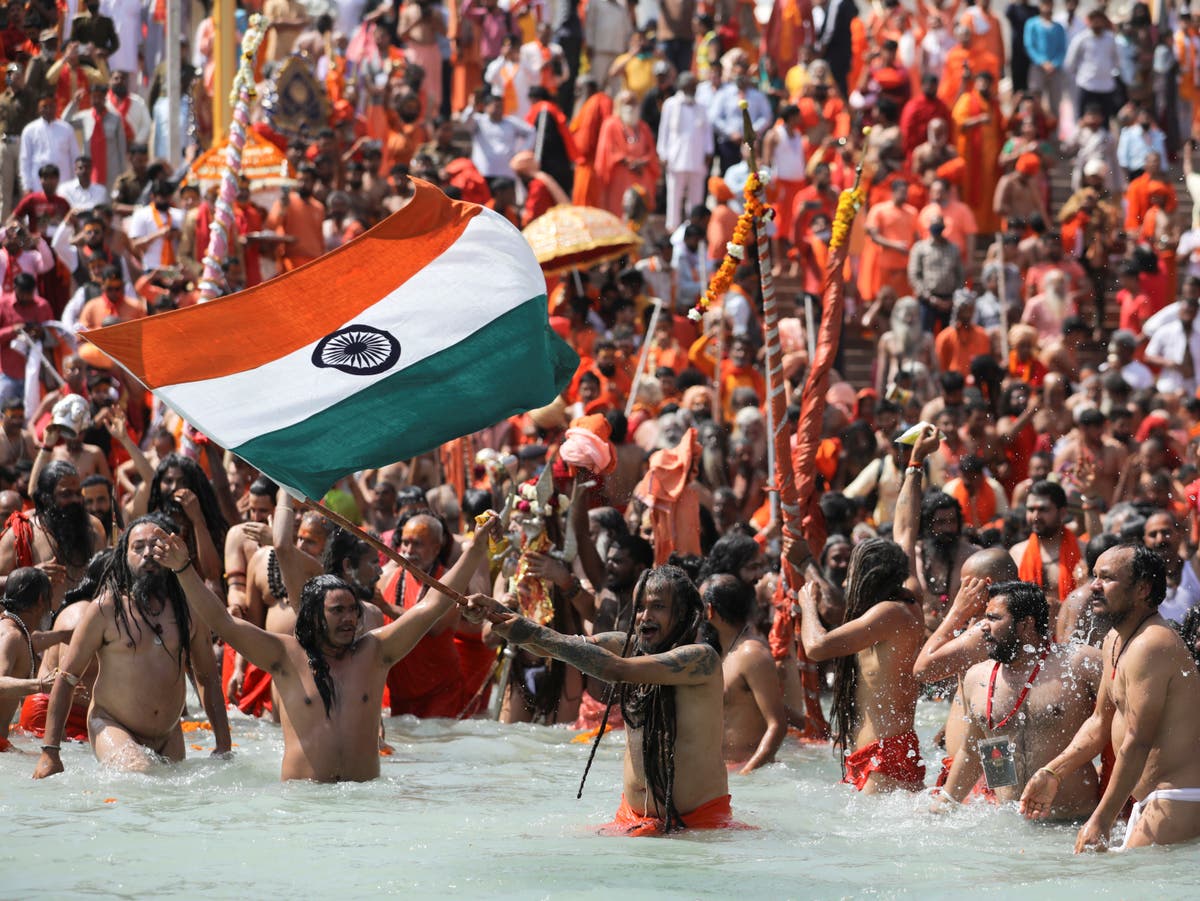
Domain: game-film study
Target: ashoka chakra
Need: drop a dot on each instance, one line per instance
(357, 350)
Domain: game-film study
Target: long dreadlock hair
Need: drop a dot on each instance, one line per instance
(197, 482)
(119, 579)
(311, 628)
(878, 570)
(651, 708)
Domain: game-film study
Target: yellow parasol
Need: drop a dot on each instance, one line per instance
(262, 163)
(572, 237)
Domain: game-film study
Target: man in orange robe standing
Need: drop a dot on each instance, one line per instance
(595, 107)
(627, 155)
(891, 230)
(979, 130)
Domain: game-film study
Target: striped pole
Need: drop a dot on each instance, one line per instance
(222, 232)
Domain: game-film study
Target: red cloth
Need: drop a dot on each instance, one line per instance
(33, 718)
(591, 711)
(477, 661)
(22, 528)
(98, 147)
(714, 814)
(256, 685)
(428, 682)
(897, 757)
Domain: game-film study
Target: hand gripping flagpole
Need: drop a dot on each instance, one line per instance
(223, 230)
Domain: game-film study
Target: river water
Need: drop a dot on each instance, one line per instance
(474, 809)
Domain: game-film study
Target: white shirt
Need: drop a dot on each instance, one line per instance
(1170, 343)
(522, 81)
(1093, 59)
(127, 20)
(607, 29)
(1189, 251)
(1137, 375)
(46, 142)
(82, 198)
(685, 137)
(788, 163)
(493, 144)
(139, 119)
(142, 223)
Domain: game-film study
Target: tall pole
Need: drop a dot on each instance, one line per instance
(225, 60)
(174, 88)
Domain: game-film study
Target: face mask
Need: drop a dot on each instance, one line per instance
(409, 116)
(162, 205)
(120, 90)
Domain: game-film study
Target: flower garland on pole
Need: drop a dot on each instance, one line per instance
(223, 227)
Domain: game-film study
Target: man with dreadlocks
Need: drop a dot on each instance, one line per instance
(59, 537)
(140, 630)
(670, 690)
(874, 692)
(329, 677)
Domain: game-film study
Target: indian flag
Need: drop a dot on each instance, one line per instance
(430, 326)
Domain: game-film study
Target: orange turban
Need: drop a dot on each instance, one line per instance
(1029, 164)
(719, 190)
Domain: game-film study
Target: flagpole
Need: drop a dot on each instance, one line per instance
(641, 366)
(407, 565)
(223, 231)
(782, 488)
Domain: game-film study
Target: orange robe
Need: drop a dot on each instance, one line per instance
(979, 147)
(882, 265)
(1137, 200)
(614, 154)
(951, 79)
(428, 681)
(714, 814)
(1030, 568)
(586, 129)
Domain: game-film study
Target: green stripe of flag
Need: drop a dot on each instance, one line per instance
(514, 364)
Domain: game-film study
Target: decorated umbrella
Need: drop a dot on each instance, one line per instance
(262, 163)
(572, 237)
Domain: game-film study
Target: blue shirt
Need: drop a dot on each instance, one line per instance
(1135, 143)
(727, 115)
(1045, 42)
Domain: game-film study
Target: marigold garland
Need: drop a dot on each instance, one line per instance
(849, 203)
(735, 250)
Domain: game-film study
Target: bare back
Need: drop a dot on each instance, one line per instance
(886, 696)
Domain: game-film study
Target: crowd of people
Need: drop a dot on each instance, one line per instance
(1008, 518)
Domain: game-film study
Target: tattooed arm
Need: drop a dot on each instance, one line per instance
(691, 664)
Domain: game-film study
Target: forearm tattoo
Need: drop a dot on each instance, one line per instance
(575, 650)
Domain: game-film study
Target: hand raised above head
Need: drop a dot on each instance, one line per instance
(171, 552)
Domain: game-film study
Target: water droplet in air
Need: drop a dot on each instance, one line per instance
(1029, 649)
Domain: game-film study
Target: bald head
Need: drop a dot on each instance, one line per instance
(421, 540)
(993, 563)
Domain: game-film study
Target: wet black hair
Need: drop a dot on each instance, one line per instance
(311, 628)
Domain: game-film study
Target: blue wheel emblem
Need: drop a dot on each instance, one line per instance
(357, 350)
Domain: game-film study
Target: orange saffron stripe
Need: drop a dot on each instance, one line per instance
(268, 321)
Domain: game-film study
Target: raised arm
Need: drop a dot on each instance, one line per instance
(880, 622)
(266, 650)
(955, 645)
(908, 505)
(692, 664)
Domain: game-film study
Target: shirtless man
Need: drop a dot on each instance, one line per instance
(1164, 533)
(930, 531)
(1018, 194)
(244, 539)
(1037, 721)
(328, 676)
(755, 719)
(16, 443)
(937, 150)
(1051, 557)
(875, 694)
(59, 537)
(1053, 418)
(26, 602)
(87, 459)
(1149, 694)
(957, 644)
(675, 776)
(143, 637)
(68, 618)
(1089, 441)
